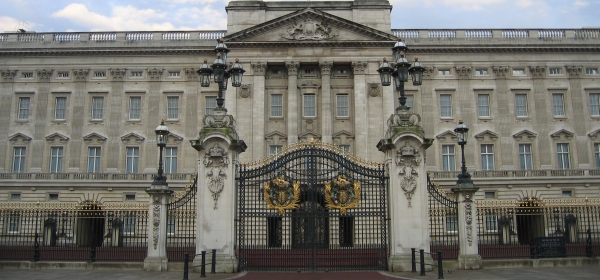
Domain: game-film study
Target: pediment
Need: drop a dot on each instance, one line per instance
(275, 134)
(132, 137)
(524, 135)
(56, 137)
(309, 26)
(309, 136)
(447, 136)
(94, 137)
(174, 138)
(562, 134)
(595, 134)
(487, 135)
(19, 138)
(343, 133)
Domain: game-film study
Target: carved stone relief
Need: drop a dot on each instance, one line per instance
(156, 221)
(191, 74)
(8, 75)
(44, 75)
(538, 71)
(374, 89)
(575, 71)
(501, 71)
(292, 67)
(309, 84)
(308, 29)
(359, 67)
(408, 160)
(428, 72)
(469, 222)
(325, 67)
(155, 74)
(245, 90)
(117, 74)
(463, 71)
(259, 68)
(216, 159)
(80, 75)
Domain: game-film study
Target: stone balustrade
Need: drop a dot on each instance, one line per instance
(497, 33)
(93, 176)
(519, 173)
(112, 36)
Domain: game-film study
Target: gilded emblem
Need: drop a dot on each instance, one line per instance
(281, 194)
(342, 193)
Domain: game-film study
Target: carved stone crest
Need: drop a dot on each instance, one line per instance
(155, 74)
(373, 89)
(538, 71)
(469, 221)
(342, 193)
(80, 75)
(8, 75)
(245, 90)
(117, 74)
(309, 29)
(281, 194)
(44, 75)
(501, 71)
(575, 71)
(408, 159)
(155, 221)
(463, 71)
(215, 178)
(216, 156)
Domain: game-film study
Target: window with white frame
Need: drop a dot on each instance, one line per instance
(555, 71)
(93, 163)
(567, 194)
(15, 196)
(137, 73)
(62, 74)
(14, 223)
(483, 105)
(558, 104)
(211, 104)
(487, 157)
(97, 107)
(597, 154)
(19, 159)
(451, 224)
(129, 225)
(445, 105)
(129, 197)
(595, 104)
(444, 72)
(342, 105)
(135, 107)
(345, 148)
(448, 161)
(410, 102)
(276, 105)
(170, 160)
(518, 72)
(56, 159)
(491, 223)
(172, 107)
(170, 224)
(481, 72)
(60, 108)
(23, 112)
(274, 149)
(53, 196)
(310, 105)
(562, 150)
(521, 105)
(525, 157)
(591, 71)
(490, 195)
(27, 75)
(132, 159)
(174, 74)
(100, 74)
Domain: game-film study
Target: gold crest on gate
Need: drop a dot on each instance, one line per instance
(281, 194)
(342, 193)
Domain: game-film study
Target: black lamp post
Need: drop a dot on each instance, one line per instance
(464, 178)
(400, 72)
(162, 134)
(220, 74)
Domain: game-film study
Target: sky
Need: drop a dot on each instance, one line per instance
(160, 15)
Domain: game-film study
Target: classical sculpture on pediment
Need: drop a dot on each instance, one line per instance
(309, 29)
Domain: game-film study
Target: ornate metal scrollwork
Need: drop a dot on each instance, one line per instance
(342, 193)
(283, 196)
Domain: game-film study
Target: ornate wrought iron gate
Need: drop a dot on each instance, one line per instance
(181, 222)
(312, 207)
(443, 221)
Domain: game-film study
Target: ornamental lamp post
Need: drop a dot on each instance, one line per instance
(162, 134)
(400, 72)
(220, 74)
(464, 178)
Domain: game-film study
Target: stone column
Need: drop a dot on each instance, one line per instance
(360, 109)
(6, 95)
(326, 99)
(292, 102)
(78, 104)
(258, 113)
(114, 101)
(218, 149)
(404, 146)
(40, 122)
(468, 254)
(156, 260)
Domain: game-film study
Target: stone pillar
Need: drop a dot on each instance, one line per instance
(258, 113)
(292, 102)
(360, 109)
(218, 149)
(404, 146)
(156, 260)
(326, 100)
(6, 95)
(39, 119)
(468, 254)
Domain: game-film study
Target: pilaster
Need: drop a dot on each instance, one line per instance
(6, 96)
(258, 113)
(157, 260)
(114, 119)
(292, 101)
(360, 109)
(40, 119)
(468, 254)
(326, 102)
(77, 123)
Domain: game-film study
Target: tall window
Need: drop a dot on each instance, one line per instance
(342, 105)
(135, 106)
(60, 108)
(93, 160)
(129, 225)
(172, 107)
(23, 113)
(521, 105)
(346, 231)
(273, 149)
(445, 105)
(558, 104)
(448, 158)
(487, 157)
(525, 156)
(310, 105)
(491, 223)
(345, 148)
(276, 105)
(56, 159)
(133, 157)
(97, 108)
(597, 154)
(19, 159)
(14, 222)
(483, 103)
(451, 223)
(170, 160)
(562, 149)
(171, 224)
(595, 104)
(410, 101)
(211, 104)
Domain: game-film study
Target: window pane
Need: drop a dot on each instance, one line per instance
(484, 105)
(309, 105)
(525, 156)
(448, 158)
(487, 157)
(521, 103)
(60, 108)
(211, 104)
(562, 150)
(19, 159)
(276, 105)
(597, 153)
(559, 109)
(97, 107)
(132, 159)
(446, 105)
(171, 160)
(273, 149)
(93, 160)
(594, 104)
(342, 105)
(23, 108)
(56, 157)
(172, 107)
(135, 107)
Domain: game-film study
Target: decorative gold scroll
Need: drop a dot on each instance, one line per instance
(283, 196)
(342, 194)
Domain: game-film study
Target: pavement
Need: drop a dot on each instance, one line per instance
(540, 273)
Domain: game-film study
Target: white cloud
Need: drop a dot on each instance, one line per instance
(580, 3)
(12, 24)
(218, 19)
